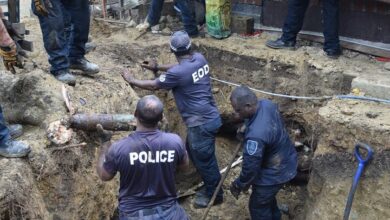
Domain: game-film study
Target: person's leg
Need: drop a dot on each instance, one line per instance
(202, 150)
(4, 132)
(154, 13)
(53, 31)
(262, 202)
(330, 12)
(276, 214)
(294, 20)
(8, 147)
(188, 17)
(80, 18)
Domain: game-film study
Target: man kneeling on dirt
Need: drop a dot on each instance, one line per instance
(269, 156)
(191, 87)
(147, 161)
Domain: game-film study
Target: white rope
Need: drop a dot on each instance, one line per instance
(275, 94)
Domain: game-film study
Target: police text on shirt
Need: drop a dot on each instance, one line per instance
(149, 157)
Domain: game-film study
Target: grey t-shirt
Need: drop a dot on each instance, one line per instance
(191, 87)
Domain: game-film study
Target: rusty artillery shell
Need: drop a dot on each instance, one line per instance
(113, 122)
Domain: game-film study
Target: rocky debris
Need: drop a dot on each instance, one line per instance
(372, 114)
(32, 98)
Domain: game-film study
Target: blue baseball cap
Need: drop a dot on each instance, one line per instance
(180, 42)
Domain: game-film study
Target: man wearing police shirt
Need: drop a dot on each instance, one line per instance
(146, 160)
(269, 156)
(189, 81)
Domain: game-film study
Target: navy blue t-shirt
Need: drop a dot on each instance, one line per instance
(191, 87)
(147, 164)
(269, 156)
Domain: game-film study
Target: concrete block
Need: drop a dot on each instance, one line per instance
(376, 87)
(253, 11)
(242, 24)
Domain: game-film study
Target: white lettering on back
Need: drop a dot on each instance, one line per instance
(200, 73)
(163, 159)
(152, 157)
(171, 156)
(142, 157)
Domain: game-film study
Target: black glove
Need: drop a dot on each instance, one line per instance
(10, 57)
(235, 190)
(104, 135)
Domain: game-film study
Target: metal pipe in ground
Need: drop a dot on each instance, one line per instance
(238, 147)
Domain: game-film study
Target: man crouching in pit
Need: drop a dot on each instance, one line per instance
(147, 161)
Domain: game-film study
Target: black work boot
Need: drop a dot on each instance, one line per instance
(333, 53)
(15, 130)
(66, 77)
(85, 66)
(13, 148)
(280, 44)
(202, 200)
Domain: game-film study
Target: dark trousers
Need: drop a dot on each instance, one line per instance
(262, 203)
(201, 149)
(4, 132)
(296, 13)
(65, 31)
(187, 15)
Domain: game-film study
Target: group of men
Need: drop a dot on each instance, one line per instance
(147, 159)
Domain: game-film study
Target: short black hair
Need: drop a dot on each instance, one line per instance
(149, 111)
(242, 95)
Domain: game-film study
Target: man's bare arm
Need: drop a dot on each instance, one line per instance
(143, 84)
(102, 173)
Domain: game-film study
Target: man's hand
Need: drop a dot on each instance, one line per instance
(10, 57)
(104, 135)
(127, 76)
(235, 189)
(150, 65)
(41, 7)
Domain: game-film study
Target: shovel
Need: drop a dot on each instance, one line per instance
(362, 163)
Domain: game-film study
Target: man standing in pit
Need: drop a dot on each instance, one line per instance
(65, 29)
(8, 51)
(269, 156)
(190, 83)
(147, 161)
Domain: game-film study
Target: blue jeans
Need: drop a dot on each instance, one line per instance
(65, 31)
(296, 13)
(262, 203)
(187, 15)
(201, 149)
(4, 132)
(175, 212)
